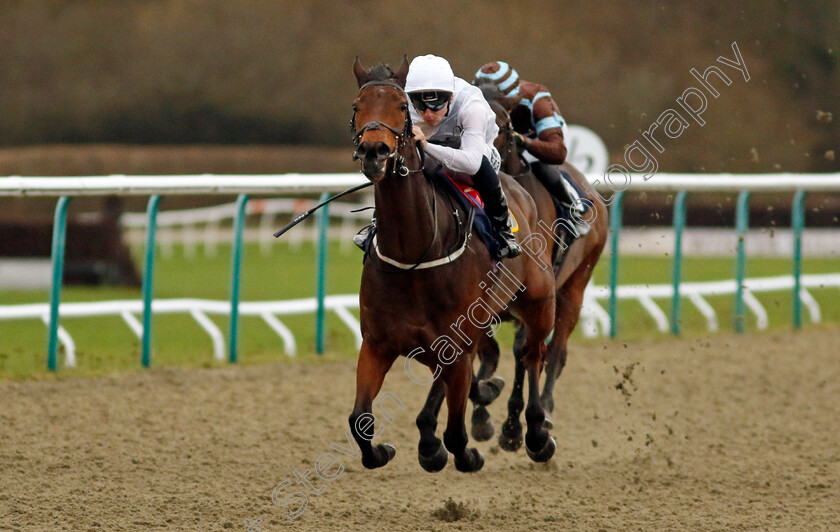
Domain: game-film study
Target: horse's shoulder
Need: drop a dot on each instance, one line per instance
(509, 183)
(519, 192)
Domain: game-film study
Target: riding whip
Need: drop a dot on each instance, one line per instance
(303, 216)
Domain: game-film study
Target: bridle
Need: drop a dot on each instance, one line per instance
(377, 125)
(510, 142)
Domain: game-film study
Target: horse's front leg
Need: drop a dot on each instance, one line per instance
(510, 438)
(485, 388)
(567, 313)
(430, 451)
(538, 442)
(370, 373)
(457, 380)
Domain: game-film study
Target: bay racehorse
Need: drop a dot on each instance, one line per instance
(430, 292)
(576, 263)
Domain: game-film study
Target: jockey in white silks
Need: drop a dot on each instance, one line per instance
(454, 124)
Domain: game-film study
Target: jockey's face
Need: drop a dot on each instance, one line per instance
(431, 105)
(433, 118)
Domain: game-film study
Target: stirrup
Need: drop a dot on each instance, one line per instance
(582, 227)
(508, 247)
(364, 235)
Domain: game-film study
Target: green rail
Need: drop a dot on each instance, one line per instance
(679, 226)
(58, 247)
(742, 222)
(797, 225)
(323, 221)
(235, 276)
(149, 277)
(615, 229)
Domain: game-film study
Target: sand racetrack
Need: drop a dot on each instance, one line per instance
(729, 433)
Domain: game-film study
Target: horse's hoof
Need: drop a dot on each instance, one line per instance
(389, 451)
(482, 428)
(482, 431)
(544, 454)
(496, 382)
(489, 390)
(383, 454)
(548, 424)
(435, 462)
(473, 463)
(493, 386)
(510, 439)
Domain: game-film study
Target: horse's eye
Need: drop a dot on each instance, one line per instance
(404, 107)
(355, 108)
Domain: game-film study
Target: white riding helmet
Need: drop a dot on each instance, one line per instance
(429, 73)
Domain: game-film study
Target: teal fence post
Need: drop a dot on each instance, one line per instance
(323, 221)
(235, 269)
(615, 229)
(148, 278)
(679, 226)
(797, 225)
(59, 239)
(742, 222)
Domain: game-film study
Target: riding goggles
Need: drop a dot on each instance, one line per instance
(432, 100)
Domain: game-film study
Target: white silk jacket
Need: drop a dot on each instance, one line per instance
(469, 118)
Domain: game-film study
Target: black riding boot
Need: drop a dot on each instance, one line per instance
(552, 180)
(486, 182)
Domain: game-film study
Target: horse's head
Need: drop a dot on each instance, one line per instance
(493, 94)
(499, 104)
(381, 125)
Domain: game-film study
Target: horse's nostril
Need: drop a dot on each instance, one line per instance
(361, 151)
(382, 149)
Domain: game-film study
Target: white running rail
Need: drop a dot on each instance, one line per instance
(205, 223)
(291, 184)
(595, 320)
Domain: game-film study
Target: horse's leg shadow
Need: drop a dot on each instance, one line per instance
(431, 453)
(457, 380)
(485, 389)
(510, 438)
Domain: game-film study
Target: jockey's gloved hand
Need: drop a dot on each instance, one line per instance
(521, 142)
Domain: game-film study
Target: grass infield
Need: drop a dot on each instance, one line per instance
(107, 344)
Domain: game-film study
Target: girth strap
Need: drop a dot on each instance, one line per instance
(452, 257)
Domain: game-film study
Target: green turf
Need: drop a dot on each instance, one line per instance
(107, 344)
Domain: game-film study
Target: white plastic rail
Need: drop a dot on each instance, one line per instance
(594, 319)
(121, 185)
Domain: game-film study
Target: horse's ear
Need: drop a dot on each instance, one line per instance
(361, 73)
(402, 72)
